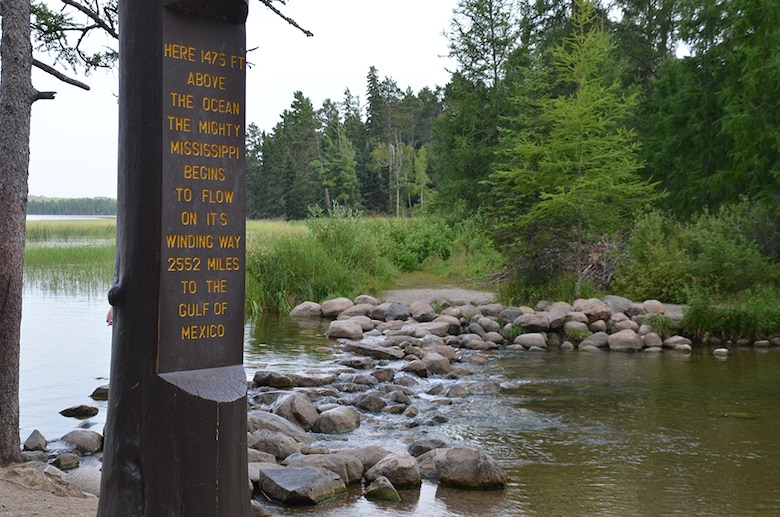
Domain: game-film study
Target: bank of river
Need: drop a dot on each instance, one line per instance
(578, 433)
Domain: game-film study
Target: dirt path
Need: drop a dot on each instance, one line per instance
(452, 294)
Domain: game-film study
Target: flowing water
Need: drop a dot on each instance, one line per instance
(578, 433)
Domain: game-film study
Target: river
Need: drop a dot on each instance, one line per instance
(578, 433)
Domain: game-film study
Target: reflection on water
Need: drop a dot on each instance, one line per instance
(578, 433)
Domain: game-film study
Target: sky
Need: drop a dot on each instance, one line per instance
(73, 144)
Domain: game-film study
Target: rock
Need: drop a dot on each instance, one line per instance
(761, 343)
(255, 456)
(88, 442)
(349, 329)
(416, 367)
(390, 311)
(537, 322)
(296, 486)
(86, 479)
(306, 310)
(384, 374)
(35, 442)
(257, 420)
(576, 330)
(311, 379)
(357, 362)
(271, 379)
(339, 420)
(334, 307)
(422, 311)
(297, 408)
(399, 467)
(490, 325)
(653, 307)
(368, 455)
(675, 341)
(39, 456)
(371, 401)
(556, 314)
(422, 446)
(463, 467)
(509, 314)
(360, 309)
(381, 489)
(598, 326)
(81, 412)
(531, 339)
(100, 393)
(348, 467)
(597, 339)
(273, 442)
(364, 298)
(593, 308)
(476, 328)
(453, 324)
(721, 352)
(66, 461)
(618, 303)
(683, 348)
(625, 341)
(374, 350)
(652, 340)
(436, 363)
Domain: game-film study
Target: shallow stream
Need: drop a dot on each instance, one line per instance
(578, 433)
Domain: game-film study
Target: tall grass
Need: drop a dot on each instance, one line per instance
(345, 255)
(70, 255)
(70, 230)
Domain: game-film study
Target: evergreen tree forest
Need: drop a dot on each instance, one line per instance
(563, 122)
(696, 82)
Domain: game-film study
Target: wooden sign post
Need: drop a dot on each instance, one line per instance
(175, 436)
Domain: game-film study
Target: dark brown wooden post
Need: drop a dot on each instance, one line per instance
(175, 436)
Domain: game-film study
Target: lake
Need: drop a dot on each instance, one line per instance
(578, 433)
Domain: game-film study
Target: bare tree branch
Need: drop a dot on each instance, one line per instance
(94, 16)
(268, 4)
(59, 75)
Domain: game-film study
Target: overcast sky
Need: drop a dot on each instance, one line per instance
(73, 141)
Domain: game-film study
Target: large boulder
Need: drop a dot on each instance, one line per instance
(349, 329)
(536, 322)
(307, 310)
(347, 466)
(422, 311)
(463, 467)
(374, 350)
(86, 441)
(557, 314)
(257, 420)
(273, 442)
(399, 467)
(390, 311)
(35, 442)
(297, 408)
(531, 339)
(593, 308)
(436, 364)
(334, 307)
(625, 341)
(382, 490)
(271, 379)
(297, 486)
(338, 420)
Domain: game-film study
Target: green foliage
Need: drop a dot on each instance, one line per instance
(751, 314)
(672, 261)
(525, 288)
(340, 255)
(661, 325)
(409, 243)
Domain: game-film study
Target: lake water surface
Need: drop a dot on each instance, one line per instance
(578, 433)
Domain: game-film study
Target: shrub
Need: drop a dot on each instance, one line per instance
(668, 260)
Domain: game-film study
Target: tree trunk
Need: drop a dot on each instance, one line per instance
(16, 98)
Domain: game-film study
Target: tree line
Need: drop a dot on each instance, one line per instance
(40, 205)
(698, 78)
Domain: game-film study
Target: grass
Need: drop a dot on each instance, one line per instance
(286, 262)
